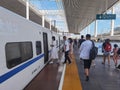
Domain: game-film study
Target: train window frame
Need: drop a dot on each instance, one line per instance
(38, 47)
(22, 50)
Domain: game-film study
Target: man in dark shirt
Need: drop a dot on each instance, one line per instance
(81, 40)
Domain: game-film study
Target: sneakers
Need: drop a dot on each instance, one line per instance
(51, 62)
(64, 62)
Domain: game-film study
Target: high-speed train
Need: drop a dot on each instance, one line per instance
(24, 50)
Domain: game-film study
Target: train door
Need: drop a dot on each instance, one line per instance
(45, 44)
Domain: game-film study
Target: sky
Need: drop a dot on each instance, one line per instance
(45, 4)
(51, 5)
(103, 25)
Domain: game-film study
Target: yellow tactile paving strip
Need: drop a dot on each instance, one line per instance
(71, 79)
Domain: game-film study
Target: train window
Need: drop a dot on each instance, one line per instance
(38, 47)
(26, 50)
(18, 52)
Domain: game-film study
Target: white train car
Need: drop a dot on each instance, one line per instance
(24, 50)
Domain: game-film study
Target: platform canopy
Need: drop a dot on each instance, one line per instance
(80, 13)
(75, 14)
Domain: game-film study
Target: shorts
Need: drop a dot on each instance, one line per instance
(87, 63)
(106, 53)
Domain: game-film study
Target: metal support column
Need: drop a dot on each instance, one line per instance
(27, 9)
(43, 21)
(95, 33)
(54, 23)
(50, 24)
(112, 23)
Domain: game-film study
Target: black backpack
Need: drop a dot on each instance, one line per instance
(118, 52)
(93, 52)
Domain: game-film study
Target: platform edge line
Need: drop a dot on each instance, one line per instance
(62, 78)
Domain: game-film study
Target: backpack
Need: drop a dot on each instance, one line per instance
(107, 47)
(93, 52)
(118, 52)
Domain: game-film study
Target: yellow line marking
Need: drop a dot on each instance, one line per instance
(71, 79)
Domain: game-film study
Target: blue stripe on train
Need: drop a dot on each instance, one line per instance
(18, 69)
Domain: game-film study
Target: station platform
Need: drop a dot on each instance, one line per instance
(71, 76)
(102, 77)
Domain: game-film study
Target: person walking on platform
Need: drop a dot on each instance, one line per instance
(115, 55)
(75, 43)
(84, 54)
(54, 52)
(71, 47)
(66, 50)
(80, 41)
(106, 49)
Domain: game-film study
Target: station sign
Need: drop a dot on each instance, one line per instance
(105, 16)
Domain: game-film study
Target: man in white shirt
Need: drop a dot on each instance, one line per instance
(66, 50)
(84, 54)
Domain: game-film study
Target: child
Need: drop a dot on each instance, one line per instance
(115, 55)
